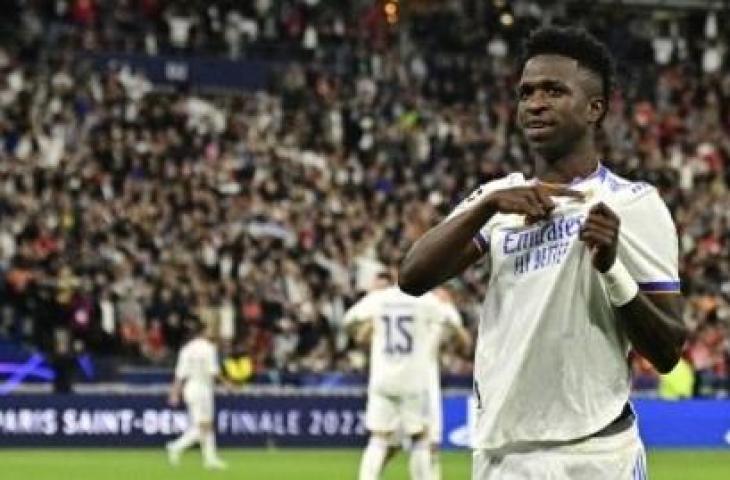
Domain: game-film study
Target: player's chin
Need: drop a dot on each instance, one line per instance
(548, 146)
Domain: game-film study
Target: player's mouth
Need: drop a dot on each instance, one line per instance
(538, 128)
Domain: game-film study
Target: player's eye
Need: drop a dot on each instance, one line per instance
(554, 91)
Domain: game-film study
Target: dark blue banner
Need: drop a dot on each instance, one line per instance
(687, 423)
(140, 420)
(295, 420)
(662, 423)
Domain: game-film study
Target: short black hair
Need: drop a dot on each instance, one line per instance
(578, 44)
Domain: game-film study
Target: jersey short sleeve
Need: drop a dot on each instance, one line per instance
(648, 244)
(481, 239)
(213, 366)
(362, 310)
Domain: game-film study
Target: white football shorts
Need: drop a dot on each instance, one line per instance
(200, 406)
(620, 456)
(388, 413)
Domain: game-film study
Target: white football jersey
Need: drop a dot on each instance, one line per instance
(197, 365)
(551, 359)
(402, 351)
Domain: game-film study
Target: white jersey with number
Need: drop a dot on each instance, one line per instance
(551, 359)
(402, 351)
(197, 366)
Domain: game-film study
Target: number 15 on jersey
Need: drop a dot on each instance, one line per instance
(398, 334)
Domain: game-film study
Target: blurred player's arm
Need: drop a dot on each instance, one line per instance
(181, 373)
(463, 340)
(652, 321)
(450, 247)
(458, 338)
(361, 332)
(217, 374)
(173, 396)
(226, 382)
(358, 321)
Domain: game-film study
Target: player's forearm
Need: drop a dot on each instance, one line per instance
(465, 343)
(443, 252)
(176, 387)
(363, 334)
(658, 334)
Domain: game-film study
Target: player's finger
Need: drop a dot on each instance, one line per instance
(534, 200)
(558, 191)
(520, 205)
(592, 237)
(593, 225)
(603, 209)
(545, 199)
(601, 222)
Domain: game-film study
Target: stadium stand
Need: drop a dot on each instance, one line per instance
(127, 205)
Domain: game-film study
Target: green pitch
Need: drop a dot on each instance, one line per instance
(313, 464)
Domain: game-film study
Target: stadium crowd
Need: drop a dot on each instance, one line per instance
(125, 209)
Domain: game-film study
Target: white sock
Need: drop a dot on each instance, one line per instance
(373, 458)
(186, 440)
(207, 442)
(419, 464)
(435, 466)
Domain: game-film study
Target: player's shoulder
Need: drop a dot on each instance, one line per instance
(513, 179)
(623, 192)
(507, 181)
(375, 298)
(639, 205)
(200, 343)
(185, 348)
(380, 294)
(429, 299)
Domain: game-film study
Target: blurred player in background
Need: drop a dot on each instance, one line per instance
(403, 334)
(583, 268)
(195, 375)
(450, 333)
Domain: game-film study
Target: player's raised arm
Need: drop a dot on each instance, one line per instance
(648, 311)
(448, 248)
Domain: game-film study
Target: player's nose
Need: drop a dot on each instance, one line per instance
(536, 103)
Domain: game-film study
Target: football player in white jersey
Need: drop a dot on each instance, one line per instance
(584, 267)
(453, 333)
(195, 375)
(400, 330)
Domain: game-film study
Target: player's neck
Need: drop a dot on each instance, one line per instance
(578, 164)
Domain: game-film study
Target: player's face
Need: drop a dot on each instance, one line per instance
(553, 108)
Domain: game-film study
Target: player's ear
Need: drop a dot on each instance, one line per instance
(596, 109)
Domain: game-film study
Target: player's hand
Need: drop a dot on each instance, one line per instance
(600, 233)
(173, 399)
(534, 202)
